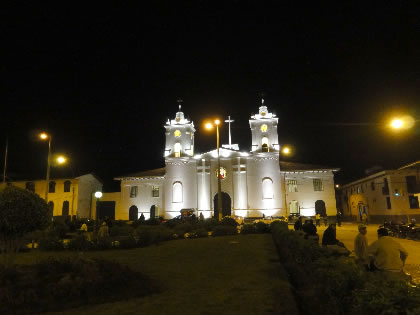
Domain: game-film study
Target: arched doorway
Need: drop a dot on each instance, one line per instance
(226, 205)
(133, 213)
(153, 212)
(320, 208)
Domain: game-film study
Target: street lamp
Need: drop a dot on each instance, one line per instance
(98, 196)
(45, 136)
(219, 184)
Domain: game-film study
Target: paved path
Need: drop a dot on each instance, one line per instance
(347, 232)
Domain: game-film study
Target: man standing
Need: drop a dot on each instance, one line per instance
(387, 254)
(361, 246)
(298, 224)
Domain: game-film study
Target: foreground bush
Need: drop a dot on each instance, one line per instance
(55, 285)
(327, 284)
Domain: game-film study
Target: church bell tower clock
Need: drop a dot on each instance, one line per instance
(179, 136)
(264, 131)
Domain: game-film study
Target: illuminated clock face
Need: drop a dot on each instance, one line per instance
(177, 133)
(223, 173)
(264, 128)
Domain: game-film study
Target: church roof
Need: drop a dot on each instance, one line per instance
(158, 172)
(303, 167)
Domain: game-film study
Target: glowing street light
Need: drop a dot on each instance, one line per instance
(286, 150)
(397, 123)
(98, 196)
(404, 122)
(209, 126)
(45, 136)
(61, 159)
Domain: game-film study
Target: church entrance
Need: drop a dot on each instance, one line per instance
(226, 205)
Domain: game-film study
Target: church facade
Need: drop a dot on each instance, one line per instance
(253, 183)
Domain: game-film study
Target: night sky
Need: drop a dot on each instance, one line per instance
(104, 79)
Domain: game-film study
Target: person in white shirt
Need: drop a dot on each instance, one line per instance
(386, 253)
(361, 246)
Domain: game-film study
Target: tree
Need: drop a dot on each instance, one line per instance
(21, 212)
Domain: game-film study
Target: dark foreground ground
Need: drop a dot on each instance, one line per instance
(221, 275)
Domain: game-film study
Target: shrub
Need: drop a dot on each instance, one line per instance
(183, 228)
(261, 227)
(153, 221)
(222, 230)
(126, 242)
(80, 243)
(103, 243)
(122, 230)
(208, 224)
(148, 235)
(57, 229)
(55, 285)
(50, 244)
(248, 229)
(229, 222)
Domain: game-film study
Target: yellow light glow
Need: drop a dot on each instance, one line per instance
(337, 186)
(217, 122)
(61, 160)
(397, 123)
(177, 133)
(286, 150)
(264, 128)
(404, 122)
(43, 136)
(209, 126)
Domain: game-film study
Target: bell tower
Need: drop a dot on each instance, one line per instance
(179, 136)
(264, 131)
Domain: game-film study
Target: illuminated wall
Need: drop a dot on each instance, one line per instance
(306, 196)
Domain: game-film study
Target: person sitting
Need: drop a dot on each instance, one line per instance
(330, 241)
(361, 246)
(310, 230)
(386, 254)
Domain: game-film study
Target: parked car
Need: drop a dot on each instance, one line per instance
(237, 218)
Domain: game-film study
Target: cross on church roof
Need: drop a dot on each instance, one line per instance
(179, 101)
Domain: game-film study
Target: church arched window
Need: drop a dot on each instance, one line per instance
(67, 185)
(65, 210)
(177, 192)
(265, 144)
(267, 187)
(177, 149)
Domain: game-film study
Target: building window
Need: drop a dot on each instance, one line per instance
(292, 185)
(177, 192)
(51, 187)
(265, 144)
(133, 191)
(385, 189)
(155, 191)
(177, 149)
(133, 213)
(388, 202)
(412, 186)
(372, 185)
(413, 202)
(66, 207)
(267, 186)
(67, 185)
(318, 184)
(30, 186)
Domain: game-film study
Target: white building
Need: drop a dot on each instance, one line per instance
(252, 183)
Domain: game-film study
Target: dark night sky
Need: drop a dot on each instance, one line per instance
(104, 79)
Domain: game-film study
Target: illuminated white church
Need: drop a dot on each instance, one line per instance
(252, 183)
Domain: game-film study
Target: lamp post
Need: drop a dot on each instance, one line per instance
(219, 184)
(45, 136)
(98, 196)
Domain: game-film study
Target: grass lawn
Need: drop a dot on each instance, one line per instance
(221, 275)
